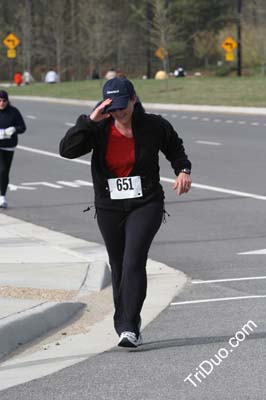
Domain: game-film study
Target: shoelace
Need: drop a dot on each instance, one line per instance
(130, 335)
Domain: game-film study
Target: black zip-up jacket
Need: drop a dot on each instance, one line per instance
(10, 116)
(151, 133)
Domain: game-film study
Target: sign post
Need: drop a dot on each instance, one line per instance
(162, 53)
(229, 45)
(239, 44)
(11, 41)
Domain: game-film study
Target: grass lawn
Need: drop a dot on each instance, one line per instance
(228, 91)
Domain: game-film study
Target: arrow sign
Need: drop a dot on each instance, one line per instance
(11, 41)
(257, 252)
(161, 53)
(229, 44)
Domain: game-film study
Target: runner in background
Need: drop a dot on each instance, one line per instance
(129, 198)
(11, 124)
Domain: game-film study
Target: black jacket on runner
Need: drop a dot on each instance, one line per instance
(151, 133)
(10, 116)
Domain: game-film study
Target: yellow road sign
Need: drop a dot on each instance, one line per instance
(229, 56)
(161, 53)
(11, 41)
(229, 44)
(11, 53)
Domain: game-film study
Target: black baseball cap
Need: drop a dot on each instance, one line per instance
(120, 90)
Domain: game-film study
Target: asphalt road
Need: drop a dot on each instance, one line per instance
(210, 342)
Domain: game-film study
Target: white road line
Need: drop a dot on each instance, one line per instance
(255, 123)
(195, 185)
(228, 121)
(233, 192)
(69, 124)
(75, 184)
(217, 120)
(220, 190)
(184, 117)
(47, 184)
(69, 184)
(249, 278)
(16, 187)
(209, 143)
(48, 153)
(180, 303)
(195, 118)
(241, 122)
(205, 119)
(253, 252)
(31, 117)
(173, 115)
(80, 182)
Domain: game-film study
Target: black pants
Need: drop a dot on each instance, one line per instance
(128, 236)
(6, 158)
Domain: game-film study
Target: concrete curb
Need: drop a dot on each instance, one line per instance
(155, 106)
(21, 328)
(98, 276)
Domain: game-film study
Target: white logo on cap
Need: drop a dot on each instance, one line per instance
(112, 91)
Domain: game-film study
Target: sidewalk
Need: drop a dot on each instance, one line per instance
(43, 274)
(48, 279)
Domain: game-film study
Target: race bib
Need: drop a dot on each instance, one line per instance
(125, 188)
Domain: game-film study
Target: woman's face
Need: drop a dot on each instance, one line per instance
(3, 103)
(124, 115)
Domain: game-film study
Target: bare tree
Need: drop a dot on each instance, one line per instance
(57, 18)
(255, 14)
(78, 36)
(74, 48)
(24, 13)
(205, 45)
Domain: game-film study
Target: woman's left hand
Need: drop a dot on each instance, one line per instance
(182, 183)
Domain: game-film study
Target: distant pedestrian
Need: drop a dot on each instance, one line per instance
(179, 72)
(27, 77)
(11, 124)
(18, 79)
(125, 142)
(51, 77)
(110, 74)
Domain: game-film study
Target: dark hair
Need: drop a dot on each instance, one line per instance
(139, 105)
(3, 95)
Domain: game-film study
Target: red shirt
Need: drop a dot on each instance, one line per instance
(120, 152)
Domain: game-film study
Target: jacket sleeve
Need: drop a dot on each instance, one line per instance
(172, 147)
(19, 122)
(79, 139)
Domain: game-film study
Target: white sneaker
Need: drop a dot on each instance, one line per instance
(129, 339)
(3, 203)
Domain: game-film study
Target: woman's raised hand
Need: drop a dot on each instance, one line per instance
(97, 114)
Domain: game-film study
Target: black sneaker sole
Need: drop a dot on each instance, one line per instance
(126, 343)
